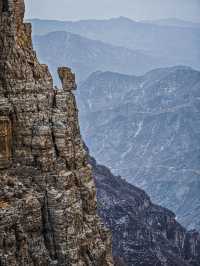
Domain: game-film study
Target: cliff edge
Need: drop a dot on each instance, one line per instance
(48, 209)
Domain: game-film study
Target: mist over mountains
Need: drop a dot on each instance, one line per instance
(170, 45)
(145, 127)
(58, 205)
(173, 22)
(85, 56)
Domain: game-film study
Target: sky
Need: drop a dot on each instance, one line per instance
(101, 9)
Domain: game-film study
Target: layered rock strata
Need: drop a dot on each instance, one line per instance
(47, 194)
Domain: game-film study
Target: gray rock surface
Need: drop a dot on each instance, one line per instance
(48, 209)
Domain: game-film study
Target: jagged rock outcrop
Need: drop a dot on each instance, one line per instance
(143, 233)
(47, 194)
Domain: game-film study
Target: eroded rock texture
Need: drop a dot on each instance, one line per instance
(5, 142)
(47, 194)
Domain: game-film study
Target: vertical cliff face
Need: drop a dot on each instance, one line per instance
(47, 194)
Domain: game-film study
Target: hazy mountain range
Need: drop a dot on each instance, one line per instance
(169, 45)
(147, 129)
(85, 56)
(174, 22)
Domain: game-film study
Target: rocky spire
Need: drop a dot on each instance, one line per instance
(67, 78)
(47, 193)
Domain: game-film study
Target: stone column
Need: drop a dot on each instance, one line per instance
(67, 78)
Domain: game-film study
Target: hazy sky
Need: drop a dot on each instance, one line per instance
(135, 9)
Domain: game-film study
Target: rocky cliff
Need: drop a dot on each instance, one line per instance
(143, 233)
(47, 194)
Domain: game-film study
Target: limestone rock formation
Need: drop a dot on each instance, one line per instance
(47, 193)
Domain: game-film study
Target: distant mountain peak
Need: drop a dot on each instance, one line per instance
(175, 22)
(122, 18)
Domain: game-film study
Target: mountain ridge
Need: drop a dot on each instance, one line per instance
(166, 43)
(173, 22)
(85, 56)
(138, 225)
(154, 119)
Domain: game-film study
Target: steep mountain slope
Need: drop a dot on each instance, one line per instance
(143, 233)
(148, 130)
(85, 56)
(176, 45)
(48, 209)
